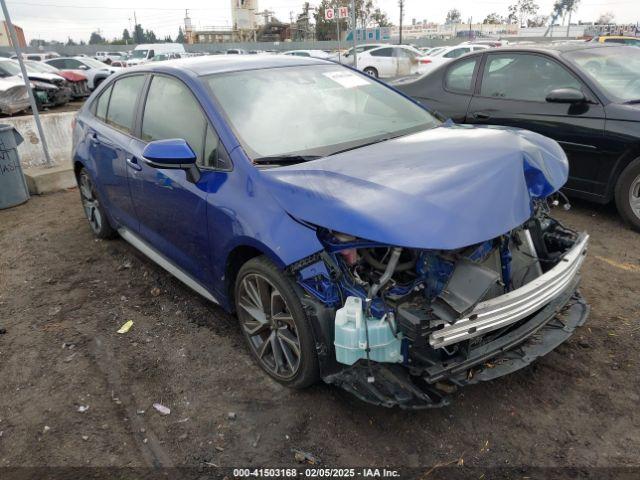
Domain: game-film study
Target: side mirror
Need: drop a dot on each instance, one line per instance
(175, 154)
(83, 67)
(566, 95)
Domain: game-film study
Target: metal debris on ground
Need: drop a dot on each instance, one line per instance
(126, 326)
(305, 457)
(232, 415)
(83, 408)
(162, 410)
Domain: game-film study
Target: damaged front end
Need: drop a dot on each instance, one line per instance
(406, 327)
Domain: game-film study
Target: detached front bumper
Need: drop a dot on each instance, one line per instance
(549, 310)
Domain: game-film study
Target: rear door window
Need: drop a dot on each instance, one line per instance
(124, 95)
(382, 52)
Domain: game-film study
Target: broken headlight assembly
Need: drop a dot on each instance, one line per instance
(398, 325)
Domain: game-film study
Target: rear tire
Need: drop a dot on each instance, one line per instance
(93, 209)
(628, 194)
(275, 325)
(371, 72)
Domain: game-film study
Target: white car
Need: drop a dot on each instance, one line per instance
(309, 53)
(94, 70)
(346, 58)
(432, 61)
(389, 61)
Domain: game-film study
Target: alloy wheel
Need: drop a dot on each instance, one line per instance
(90, 203)
(634, 196)
(269, 326)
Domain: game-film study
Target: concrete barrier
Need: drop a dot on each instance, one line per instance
(57, 130)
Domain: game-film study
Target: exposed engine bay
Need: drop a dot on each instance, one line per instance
(421, 317)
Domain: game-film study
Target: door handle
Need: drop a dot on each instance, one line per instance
(481, 116)
(93, 138)
(133, 163)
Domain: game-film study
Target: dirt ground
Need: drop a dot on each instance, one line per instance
(63, 296)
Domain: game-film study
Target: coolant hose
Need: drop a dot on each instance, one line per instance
(386, 276)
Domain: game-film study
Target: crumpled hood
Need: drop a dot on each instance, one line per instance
(444, 188)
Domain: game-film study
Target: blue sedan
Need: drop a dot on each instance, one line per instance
(358, 238)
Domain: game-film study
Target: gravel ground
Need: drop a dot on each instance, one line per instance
(63, 296)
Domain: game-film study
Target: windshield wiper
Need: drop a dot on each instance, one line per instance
(379, 140)
(284, 159)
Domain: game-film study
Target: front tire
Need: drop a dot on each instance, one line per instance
(275, 325)
(628, 194)
(372, 72)
(93, 209)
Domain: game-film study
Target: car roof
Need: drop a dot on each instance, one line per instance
(554, 49)
(206, 65)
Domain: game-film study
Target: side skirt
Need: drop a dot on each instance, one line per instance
(165, 263)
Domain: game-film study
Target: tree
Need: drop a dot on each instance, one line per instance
(494, 19)
(453, 16)
(96, 39)
(380, 19)
(605, 18)
(70, 42)
(537, 21)
(150, 37)
(138, 34)
(126, 37)
(167, 39)
(520, 11)
(180, 37)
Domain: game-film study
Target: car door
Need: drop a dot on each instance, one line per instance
(513, 91)
(383, 60)
(447, 91)
(172, 209)
(109, 138)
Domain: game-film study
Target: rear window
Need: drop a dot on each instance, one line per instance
(122, 104)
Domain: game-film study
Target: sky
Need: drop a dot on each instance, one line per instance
(60, 19)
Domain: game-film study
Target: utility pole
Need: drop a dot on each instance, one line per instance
(25, 79)
(470, 22)
(569, 22)
(353, 32)
(136, 40)
(401, 4)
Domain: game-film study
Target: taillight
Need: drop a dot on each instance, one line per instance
(424, 61)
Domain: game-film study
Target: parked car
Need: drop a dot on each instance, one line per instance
(346, 57)
(165, 56)
(389, 61)
(143, 53)
(14, 97)
(76, 81)
(37, 57)
(95, 71)
(235, 51)
(50, 89)
(372, 246)
(309, 53)
(585, 96)
(430, 62)
(619, 39)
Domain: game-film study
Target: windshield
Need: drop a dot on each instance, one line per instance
(11, 67)
(39, 67)
(93, 63)
(140, 54)
(616, 70)
(312, 110)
